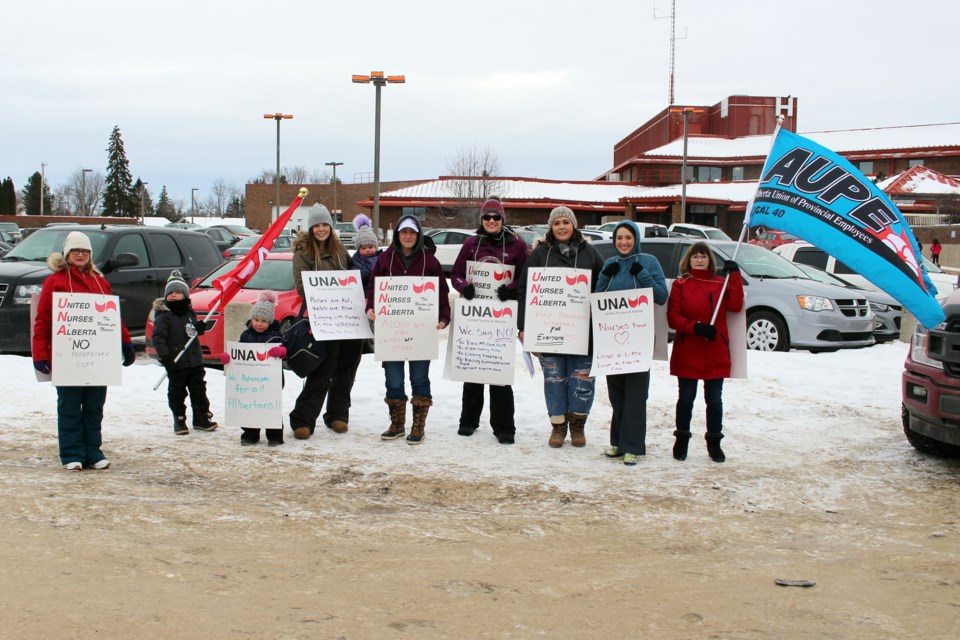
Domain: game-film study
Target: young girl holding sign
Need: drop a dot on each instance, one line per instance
(494, 244)
(701, 351)
(79, 409)
(630, 269)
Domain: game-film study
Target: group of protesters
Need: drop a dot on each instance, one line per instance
(700, 349)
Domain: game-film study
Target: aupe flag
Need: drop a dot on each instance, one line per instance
(815, 194)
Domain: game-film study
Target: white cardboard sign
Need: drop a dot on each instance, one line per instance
(406, 309)
(336, 305)
(488, 276)
(482, 345)
(253, 386)
(623, 331)
(86, 340)
(557, 318)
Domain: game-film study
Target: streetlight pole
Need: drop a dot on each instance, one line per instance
(334, 165)
(193, 205)
(378, 80)
(278, 117)
(686, 111)
(83, 191)
(43, 166)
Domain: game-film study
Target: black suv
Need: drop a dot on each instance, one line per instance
(135, 260)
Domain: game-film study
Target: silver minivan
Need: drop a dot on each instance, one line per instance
(785, 308)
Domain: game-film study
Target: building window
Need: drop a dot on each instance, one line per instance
(736, 173)
(866, 167)
(914, 163)
(708, 174)
(420, 213)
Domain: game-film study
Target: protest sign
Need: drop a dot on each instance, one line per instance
(482, 346)
(253, 386)
(623, 331)
(488, 276)
(406, 309)
(557, 318)
(336, 305)
(86, 340)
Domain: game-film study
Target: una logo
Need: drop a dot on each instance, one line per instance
(580, 278)
(637, 301)
(497, 313)
(248, 354)
(426, 286)
(486, 312)
(621, 303)
(499, 275)
(348, 280)
(106, 306)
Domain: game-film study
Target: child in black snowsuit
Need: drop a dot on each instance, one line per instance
(262, 328)
(173, 325)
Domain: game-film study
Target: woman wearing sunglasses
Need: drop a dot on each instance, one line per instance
(494, 243)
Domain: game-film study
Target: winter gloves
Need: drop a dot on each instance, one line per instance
(43, 366)
(636, 268)
(468, 292)
(729, 267)
(278, 351)
(504, 293)
(129, 355)
(611, 269)
(707, 331)
(200, 326)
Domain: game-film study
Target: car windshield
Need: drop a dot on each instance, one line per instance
(247, 242)
(760, 262)
(275, 275)
(239, 229)
(39, 245)
(931, 268)
(716, 234)
(344, 226)
(823, 276)
(9, 226)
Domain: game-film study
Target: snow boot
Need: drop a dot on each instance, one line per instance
(559, 424)
(577, 422)
(202, 421)
(398, 418)
(680, 446)
(180, 425)
(421, 407)
(713, 447)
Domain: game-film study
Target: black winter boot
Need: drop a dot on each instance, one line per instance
(680, 445)
(180, 425)
(713, 447)
(202, 421)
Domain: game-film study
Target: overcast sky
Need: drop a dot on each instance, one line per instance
(548, 86)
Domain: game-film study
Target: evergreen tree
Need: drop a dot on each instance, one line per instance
(8, 198)
(165, 208)
(236, 208)
(119, 198)
(31, 196)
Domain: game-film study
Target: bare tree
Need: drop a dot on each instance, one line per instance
(221, 194)
(296, 175)
(478, 169)
(322, 177)
(79, 188)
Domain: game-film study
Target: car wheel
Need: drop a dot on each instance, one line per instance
(926, 444)
(767, 332)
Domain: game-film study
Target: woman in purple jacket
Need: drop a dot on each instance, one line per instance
(497, 244)
(410, 254)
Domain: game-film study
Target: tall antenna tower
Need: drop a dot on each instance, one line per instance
(673, 40)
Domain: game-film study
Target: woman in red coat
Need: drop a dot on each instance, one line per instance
(701, 351)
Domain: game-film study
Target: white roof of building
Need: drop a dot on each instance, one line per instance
(850, 140)
(523, 190)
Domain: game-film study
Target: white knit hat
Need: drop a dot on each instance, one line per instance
(263, 308)
(562, 212)
(76, 240)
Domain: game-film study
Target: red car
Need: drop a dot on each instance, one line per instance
(275, 274)
(770, 238)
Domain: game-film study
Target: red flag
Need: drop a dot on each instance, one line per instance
(230, 283)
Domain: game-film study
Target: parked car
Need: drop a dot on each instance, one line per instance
(236, 229)
(930, 385)
(13, 229)
(785, 309)
(5, 248)
(698, 231)
(771, 239)
(275, 274)
(280, 245)
(347, 234)
(806, 253)
(532, 238)
(135, 260)
(649, 229)
(7, 237)
(223, 238)
(449, 242)
(592, 235)
(184, 225)
(886, 309)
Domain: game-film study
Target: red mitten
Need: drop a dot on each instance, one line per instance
(224, 358)
(278, 351)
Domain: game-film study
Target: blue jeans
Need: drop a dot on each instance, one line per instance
(712, 395)
(419, 378)
(79, 415)
(567, 385)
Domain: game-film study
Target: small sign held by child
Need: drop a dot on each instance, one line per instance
(253, 386)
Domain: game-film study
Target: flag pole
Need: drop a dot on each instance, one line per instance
(746, 222)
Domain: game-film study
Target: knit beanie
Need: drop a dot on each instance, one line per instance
(318, 214)
(562, 212)
(76, 240)
(365, 235)
(176, 283)
(263, 308)
(492, 205)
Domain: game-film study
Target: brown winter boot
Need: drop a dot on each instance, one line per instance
(398, 417)
(577, 421)
(559, 431)
(421, 407)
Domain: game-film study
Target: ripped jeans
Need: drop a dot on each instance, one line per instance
(567, 385)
